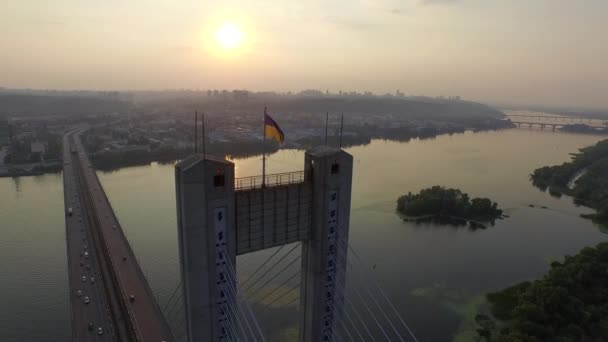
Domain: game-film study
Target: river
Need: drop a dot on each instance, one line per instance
(435, 275)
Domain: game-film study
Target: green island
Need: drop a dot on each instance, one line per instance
(448, 206)
(585, 178)
(570, 303)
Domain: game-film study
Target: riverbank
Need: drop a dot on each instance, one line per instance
(36, 169)
(450, 220)
(584, 178)
(567, 304)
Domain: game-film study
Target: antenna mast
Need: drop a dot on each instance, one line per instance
(341, 128)
(203, 119)
(195, 132)
(326, 120)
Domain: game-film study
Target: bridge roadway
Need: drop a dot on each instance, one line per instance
(92, 227)
(79, 240)
(562, 118)
(552, 125)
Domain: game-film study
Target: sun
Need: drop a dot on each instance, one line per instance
(229, 36)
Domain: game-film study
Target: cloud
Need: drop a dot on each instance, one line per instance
(438, 2)
(349, 23)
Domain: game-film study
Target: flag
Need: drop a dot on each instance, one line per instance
(271, 129)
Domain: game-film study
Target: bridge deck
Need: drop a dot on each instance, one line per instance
(77, 237)
(137, 320)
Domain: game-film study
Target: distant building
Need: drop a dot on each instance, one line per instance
(37, 147)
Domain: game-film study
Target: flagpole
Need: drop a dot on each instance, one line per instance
(264, 151)
(195, 131)
(203, 119)
(341, 128)
(326, 120)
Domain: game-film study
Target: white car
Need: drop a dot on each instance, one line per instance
(100, 331)
(79, 293)
(92, 280)
(84, 278)
(87, 300)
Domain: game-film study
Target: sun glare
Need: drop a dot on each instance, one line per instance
(229, 35)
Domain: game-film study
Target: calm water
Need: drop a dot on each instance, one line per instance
(435, 275)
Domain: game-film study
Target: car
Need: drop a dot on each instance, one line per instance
(90, 326)
(84, 278)
(86, 255)
(100, 331)
(132, 297)
(88, 266)
(79, 293)
(87, 300)
(70, 211)
(92, 280)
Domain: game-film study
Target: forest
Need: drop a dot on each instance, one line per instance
(438, 202)
(570, 303)
(590, 189)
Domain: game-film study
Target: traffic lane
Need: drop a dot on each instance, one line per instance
(144, 305)
(145, 312)
(97, 296)
(83, 312)
(114, 297)
(92, 312)
(98, 300)
(77, 238)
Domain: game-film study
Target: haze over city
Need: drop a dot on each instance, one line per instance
(304, 171)
(545, 52)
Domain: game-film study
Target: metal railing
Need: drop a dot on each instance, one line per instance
(276, 179)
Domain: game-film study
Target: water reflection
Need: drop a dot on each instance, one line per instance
(436, 276)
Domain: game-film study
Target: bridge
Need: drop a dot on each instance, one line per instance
(110, 299)
(307, 209)
(219, 217)
(552, 125)
(560, 118)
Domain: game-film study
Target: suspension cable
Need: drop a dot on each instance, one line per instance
(172, 295)
(282, 295)
(230, 279)
(375, 282)
(262, 265)
(232, 271)
(273, 277)
(277, 288)
(271, 267)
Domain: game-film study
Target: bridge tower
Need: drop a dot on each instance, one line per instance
(220, 217)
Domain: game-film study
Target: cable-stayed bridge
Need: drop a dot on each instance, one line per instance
(303, 217)
(299, 220)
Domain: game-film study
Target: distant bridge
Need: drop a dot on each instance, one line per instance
(550, 125)
(560, 118)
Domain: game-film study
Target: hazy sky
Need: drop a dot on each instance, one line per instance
(519, 51)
